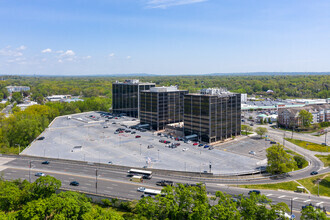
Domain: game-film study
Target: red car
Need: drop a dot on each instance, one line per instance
(137, 136)
(121, 131)
(195, 143)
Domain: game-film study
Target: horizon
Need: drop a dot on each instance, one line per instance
(163, 37)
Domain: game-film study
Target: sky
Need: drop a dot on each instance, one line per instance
(100, 37)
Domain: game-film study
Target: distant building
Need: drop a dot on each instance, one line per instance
(289, 117)
(160, 106)
(244, 97)
(270, 91)
(26, 104)
(126, 96)
(57, 98)
(12, 89)
(212, 115)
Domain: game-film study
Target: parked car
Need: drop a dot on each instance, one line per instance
(195, 144)
(211, 148)
(206, 146)
(185, 149)
(133, 132)
(273, 142)
(254, 191)
(314, 173)
(41, 138)
(114, 123)
(177, 144)
(105, 126)
(137, 136)
(45, 162)
(116, 132)
(40, 174)
(150, 146)
(74, 183)
(200, 145)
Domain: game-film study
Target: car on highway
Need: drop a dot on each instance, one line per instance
(137, 136)
(252, 153)
(141, 189)
(45, 162)
(40, 174)
(314, 173)
(74, 183)
(164, 183)
(41, 138)
(257, 192)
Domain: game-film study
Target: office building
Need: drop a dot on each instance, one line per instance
(12, 89)
(212, 115)
(126, 96)
(160, 106)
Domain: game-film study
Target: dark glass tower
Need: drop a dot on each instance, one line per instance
(213, 115)
(126, 96)
(161, 106)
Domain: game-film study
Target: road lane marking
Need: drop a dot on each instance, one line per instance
(307, 200)
(295, 198)
(317, 204)
(281, 196)
(269, 194)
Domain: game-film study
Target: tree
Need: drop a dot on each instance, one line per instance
(311, 213)
(17, 97)
(45, 186)
(261, 131)
(269, 121)
(246, 128)
(279, 161)
(301, 162)
(306, 118)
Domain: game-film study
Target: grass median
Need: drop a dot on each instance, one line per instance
(324, 158)
(310, 183)
(309, 145)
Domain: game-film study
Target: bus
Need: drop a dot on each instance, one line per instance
(144, 173)
(152, 192)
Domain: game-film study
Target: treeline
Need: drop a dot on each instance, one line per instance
(23, 200)
(22, 127)
(38, 200)
(301, 86)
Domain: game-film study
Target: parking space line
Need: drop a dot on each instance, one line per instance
(281, 196)
(317, 204)
(307, 200)
(295, 198)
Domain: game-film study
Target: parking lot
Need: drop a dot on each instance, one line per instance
(91, 137)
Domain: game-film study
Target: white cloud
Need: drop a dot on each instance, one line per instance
(69, 53)
(21, 48)
(128, 57)
(60, 61)
(87, 57)
(168, 3)
(48, 50)
(111, 55)
(59, 51)
(7, 51)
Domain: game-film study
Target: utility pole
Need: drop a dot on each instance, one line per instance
(96, 180)
(210, 166)
(291, 206)
(30, 172)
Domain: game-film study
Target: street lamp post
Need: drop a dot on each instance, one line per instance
(96, 171)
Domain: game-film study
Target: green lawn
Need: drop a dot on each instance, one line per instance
(309, 145)
(311, 185)
(308, 183)
(324, 158)
(292, 186)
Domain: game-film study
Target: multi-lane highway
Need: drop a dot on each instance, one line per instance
(112, 180)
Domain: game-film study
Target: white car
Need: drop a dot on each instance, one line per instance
(40, 174)
(252, 152)
(185, 149)
(141, 189)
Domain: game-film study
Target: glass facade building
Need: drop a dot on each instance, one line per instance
(126, 96)
(161, 106)
(212, 117)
